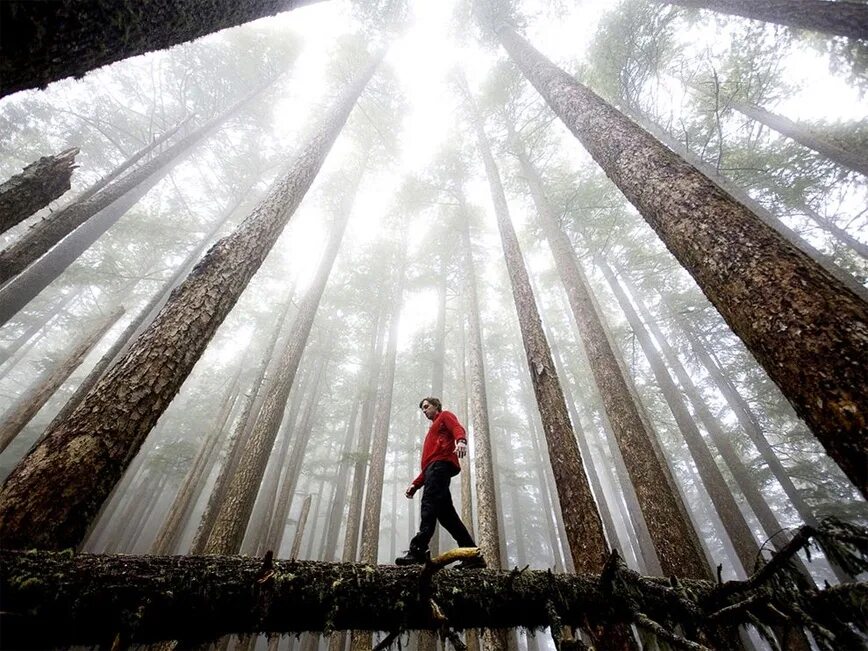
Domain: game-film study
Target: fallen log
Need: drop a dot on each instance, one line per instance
(35, 187)
(61, 599)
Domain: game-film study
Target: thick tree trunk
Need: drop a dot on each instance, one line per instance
(675, 541)
(807, 330)
(51, 599)
(35, 398)
(39, 184)
(740, 195)
(77, 226)
(50, 499)
(47, 41)
(830, 17)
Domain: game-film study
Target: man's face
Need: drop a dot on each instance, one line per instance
(429, 410)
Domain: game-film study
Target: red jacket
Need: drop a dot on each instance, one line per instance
(439, 443)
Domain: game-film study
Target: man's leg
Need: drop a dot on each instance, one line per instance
(451, 521)
(436, 485)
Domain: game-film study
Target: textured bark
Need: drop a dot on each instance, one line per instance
(77, 226)
(50, 499)
(486, 496)
(46, 41)
(234, 514)
(584, 529)
(733, 520)
(675, 541)
(740, 195)
(35, 398)
(830, 17)
(807, 330)
(39, 184)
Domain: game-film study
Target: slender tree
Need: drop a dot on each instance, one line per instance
(675, 541)
(807, 330)
(46, 42)
(39, 184)
(84, 457)
(841, 17)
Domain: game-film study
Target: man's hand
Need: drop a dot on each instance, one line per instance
(461, 449)
(410, 492)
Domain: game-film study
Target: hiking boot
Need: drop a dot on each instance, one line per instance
(475, 563)
(411, 557)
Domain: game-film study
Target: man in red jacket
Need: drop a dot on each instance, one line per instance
(445, 444)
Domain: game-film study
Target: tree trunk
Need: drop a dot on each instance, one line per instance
(77, 226)
(299, 529)
(675, 541)
(44, 42)
(807, 330)
(58, 600)
(50, 499)
(829, 17)
(733, 520)
(239, 436)
(39, 184)
(740, 195)
(486, 496)
(38, 323)
(35, 398)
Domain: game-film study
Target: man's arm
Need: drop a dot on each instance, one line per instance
(457, 432)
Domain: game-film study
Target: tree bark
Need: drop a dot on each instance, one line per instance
(51, 599)
(51, 497)
(47, 41)
(839, 17)
(299, 529)
(675, 541)
(806, 329)
(35, 398)
(39, 184)
(76, 227)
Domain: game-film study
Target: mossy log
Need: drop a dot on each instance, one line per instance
(61, 599)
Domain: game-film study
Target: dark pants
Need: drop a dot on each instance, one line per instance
(437, 505)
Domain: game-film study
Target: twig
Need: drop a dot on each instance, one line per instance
(662, 632)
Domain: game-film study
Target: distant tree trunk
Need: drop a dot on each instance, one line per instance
(802, 331)
(829, 17)
(733, 520)
(148, 311)
(240, 434)
(44, 42)
(35, 187)
(276, 522)
(35, 398)
(299, 529)
(831, 227)
(173, 525)
(36, 324)
(741, 195)
(50, 499)
(439, 352)
(77, 226)
(486, 496)
(676, 543)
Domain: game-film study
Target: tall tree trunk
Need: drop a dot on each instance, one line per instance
(148, 311)
(675, 541)
(486, 496)
(299, 529)
(806, 329)
(733, 520)
(77, 226)
(50, 499)
(44, 42)
(831, 227)
(240, 434)
(35, 398)
(228, 532)
(439, 352)
(839, 17)
(36, 324)
(35, 187)
(587, 540)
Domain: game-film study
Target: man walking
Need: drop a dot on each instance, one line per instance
(445, 443)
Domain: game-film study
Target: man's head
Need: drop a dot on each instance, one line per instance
(431, 407)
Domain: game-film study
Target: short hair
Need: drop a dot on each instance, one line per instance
(432, 401)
